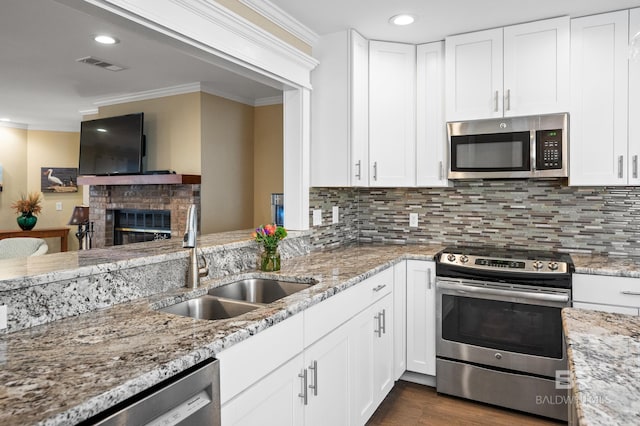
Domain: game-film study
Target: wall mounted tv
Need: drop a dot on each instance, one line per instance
(112, 146)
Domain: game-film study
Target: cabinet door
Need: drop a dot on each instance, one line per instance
(371, 363)
(392, 81)
(327, 363)
(431, 139)
(421, 317)
(599, 71)
(273, 400)
(536, 67)
(359, 108)
(634, 97)
(400, 319)
(474, 75)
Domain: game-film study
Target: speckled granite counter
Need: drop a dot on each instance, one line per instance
(594, 264)
(68, 370)
(604, 360)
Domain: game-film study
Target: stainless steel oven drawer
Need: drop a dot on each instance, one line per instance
(520, 392)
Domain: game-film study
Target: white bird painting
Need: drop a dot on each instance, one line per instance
(52, 179)
(58, 179)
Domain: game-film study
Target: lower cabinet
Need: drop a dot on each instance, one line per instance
(342, 374)
(421, 317)
(606, 293)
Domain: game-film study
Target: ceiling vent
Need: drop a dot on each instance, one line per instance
(100, 63)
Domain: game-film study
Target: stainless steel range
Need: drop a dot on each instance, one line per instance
(499, 330)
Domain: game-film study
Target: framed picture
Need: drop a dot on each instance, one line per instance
(59, 179)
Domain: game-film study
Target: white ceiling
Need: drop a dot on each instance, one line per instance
(436, 19)
(42, 87)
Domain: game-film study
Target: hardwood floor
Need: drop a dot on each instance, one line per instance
(413, 404)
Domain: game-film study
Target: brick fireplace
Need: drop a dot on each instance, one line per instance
(106, 200)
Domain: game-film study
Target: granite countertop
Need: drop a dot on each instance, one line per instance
(68, 370)
(598, 264)
(604, 360)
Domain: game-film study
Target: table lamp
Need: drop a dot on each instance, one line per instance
(80, 217)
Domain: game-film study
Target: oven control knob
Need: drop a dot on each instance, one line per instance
(498, 355)
(451, 257)
(464, 259)
(553, 265)
(538, 264)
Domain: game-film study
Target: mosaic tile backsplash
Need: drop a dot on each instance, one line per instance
(540, 214)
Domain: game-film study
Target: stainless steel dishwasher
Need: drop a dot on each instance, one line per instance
(190, 398)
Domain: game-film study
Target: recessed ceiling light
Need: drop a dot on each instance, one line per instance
(105, 39)
(401, 20)
(5, 119)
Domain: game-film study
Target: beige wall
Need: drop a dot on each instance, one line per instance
(53, 149)
(172, 127)
(24, 153)
(268, 158)
(227, 165)
(262, 22)
(13, 159)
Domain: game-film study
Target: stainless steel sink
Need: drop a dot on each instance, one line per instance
(209, 308)
(258, 290)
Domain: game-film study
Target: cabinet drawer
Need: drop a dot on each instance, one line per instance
(600, 289)
(247, 362)
(331, 313)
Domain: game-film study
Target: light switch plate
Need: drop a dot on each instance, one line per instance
(413, 220)
(317, 217)
(59, 205)
(335, 214)
(3, 317)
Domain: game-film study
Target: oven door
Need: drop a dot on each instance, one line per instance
(508, 326)
(505, 155)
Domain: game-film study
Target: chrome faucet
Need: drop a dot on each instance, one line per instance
(190, 240)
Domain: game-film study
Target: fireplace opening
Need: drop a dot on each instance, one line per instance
(136, 226)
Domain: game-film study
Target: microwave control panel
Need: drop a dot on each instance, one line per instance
(548, 149)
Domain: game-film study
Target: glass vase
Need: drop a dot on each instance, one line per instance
(270, 259)
(27, 221)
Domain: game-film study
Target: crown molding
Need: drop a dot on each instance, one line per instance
(273, 100)
(56, 127)
(88, 111)
(212, 90)
(180, 89)
(283, 20)
(13, 125)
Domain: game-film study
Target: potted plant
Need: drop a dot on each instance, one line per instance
(270, 236)
(28, 206)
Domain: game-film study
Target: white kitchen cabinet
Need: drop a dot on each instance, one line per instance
(328, 379)
(421, 317)
(371, 360)
(392, 116)
(274, 400)
(431, 138)
(519, 70)
(634, 98)
(606, 293)
(340, 111)
(599, 151)
(399, 319)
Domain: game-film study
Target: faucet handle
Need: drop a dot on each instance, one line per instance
(203, 271)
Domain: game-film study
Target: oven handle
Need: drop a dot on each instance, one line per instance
(462, 288)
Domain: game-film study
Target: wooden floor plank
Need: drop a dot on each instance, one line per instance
(412, 404)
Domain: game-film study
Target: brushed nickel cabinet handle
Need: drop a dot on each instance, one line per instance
(303, 394)
(314, 386)
(384, 321)
(441, 171)
(359, 165)
(635, 167)
(375, 170)
(495, 108)
(429, 278)
(378, 331)
(508, 99)
(620, 161)
(379, 287)
(630, 293)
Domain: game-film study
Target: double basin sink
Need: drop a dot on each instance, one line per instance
(235, 299)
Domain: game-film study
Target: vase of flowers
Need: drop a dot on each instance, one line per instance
(269, 236)
(28, 207)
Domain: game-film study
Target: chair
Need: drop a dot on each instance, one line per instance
(22, 247)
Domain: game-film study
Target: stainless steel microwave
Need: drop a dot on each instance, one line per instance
(515, 147)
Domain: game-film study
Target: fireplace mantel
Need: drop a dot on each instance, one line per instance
(160, 179)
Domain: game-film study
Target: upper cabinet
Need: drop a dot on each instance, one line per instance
(392, 114)
(519, 70)
(605, 97)
(340, 111)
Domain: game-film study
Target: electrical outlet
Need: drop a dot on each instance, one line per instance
(3, 317)
(335, 218)
(413, 220)
(317, 217)
(59, 205)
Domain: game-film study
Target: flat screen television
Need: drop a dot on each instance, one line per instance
(112, 146)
